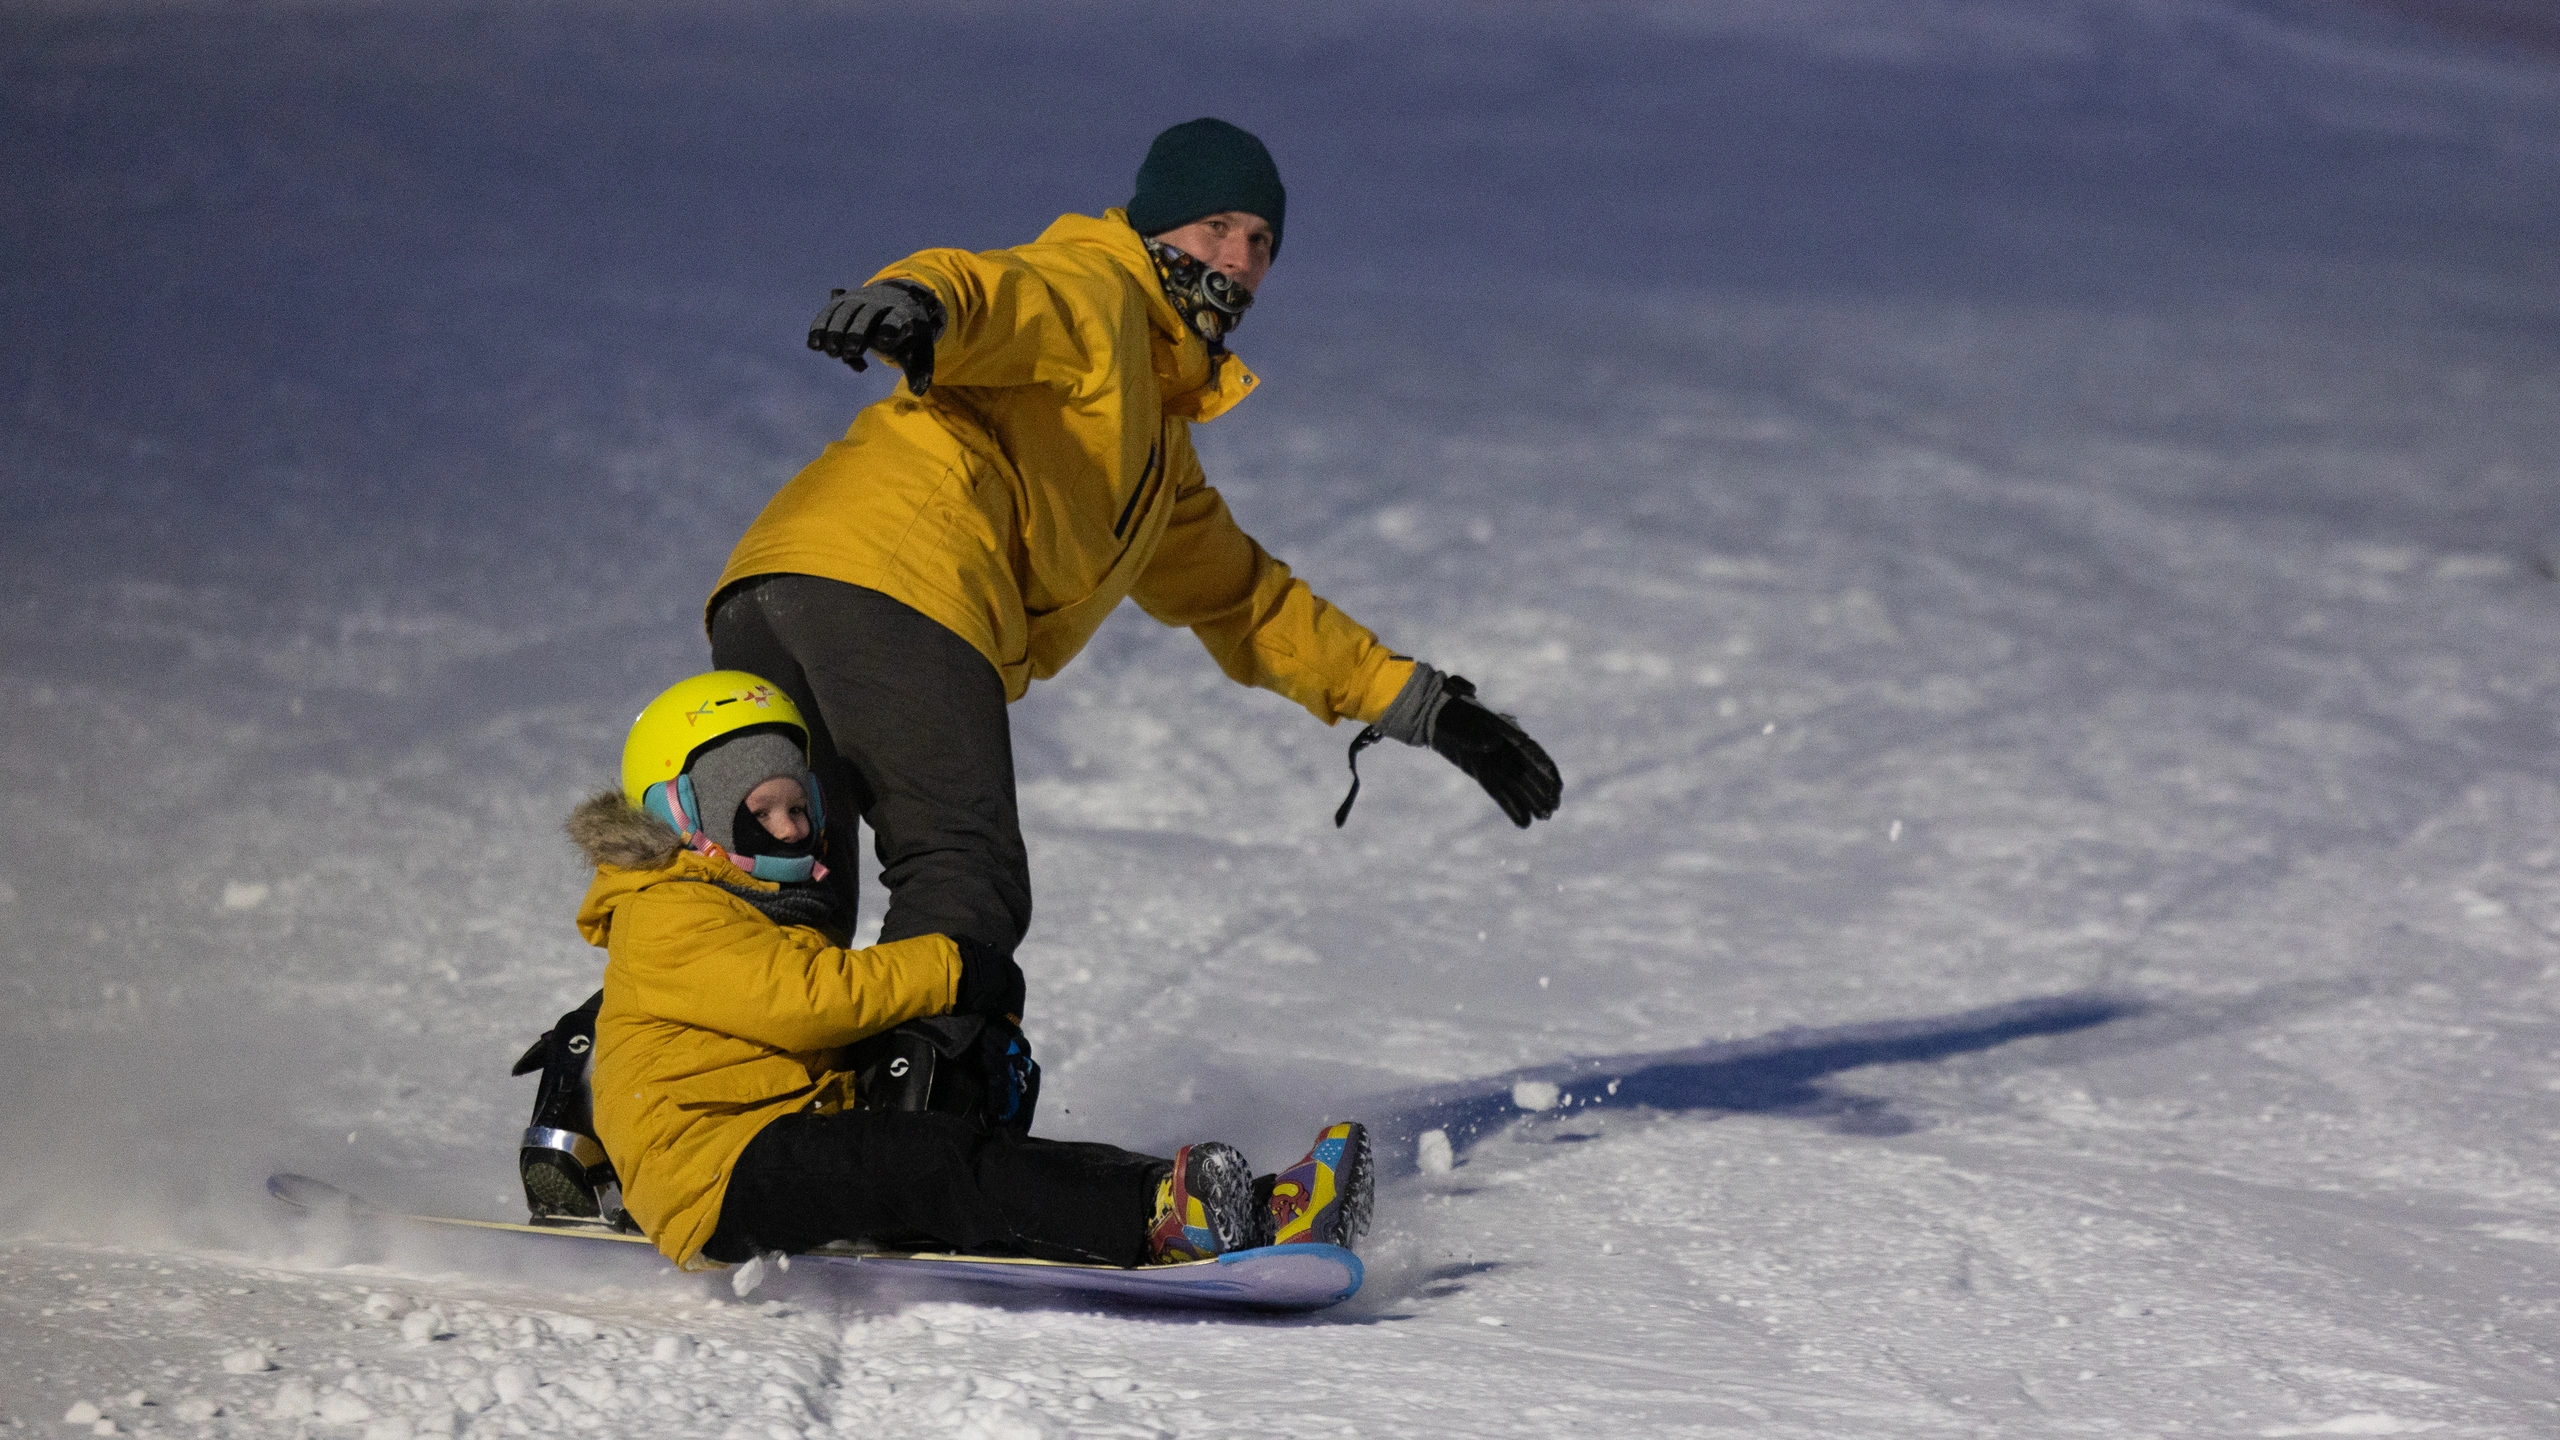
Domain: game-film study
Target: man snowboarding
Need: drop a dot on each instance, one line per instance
(727, 1083)
(971, 532)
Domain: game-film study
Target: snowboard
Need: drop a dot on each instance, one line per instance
(1271, 1278)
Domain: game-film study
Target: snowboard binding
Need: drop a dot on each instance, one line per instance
(972, 1066)
(567, 1176)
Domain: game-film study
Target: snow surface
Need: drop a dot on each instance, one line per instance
(2029, 525)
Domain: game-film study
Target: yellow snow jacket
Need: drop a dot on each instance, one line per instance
(1048, 474)
(717, 1021)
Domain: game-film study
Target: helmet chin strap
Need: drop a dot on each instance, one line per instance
(781, 869)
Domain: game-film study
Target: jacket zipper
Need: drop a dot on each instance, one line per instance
(1144, 488)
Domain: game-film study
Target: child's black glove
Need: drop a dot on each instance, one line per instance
(990, 983)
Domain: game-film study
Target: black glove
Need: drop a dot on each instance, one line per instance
(899, 318)
(990, 983)
(1495, 753)
(1442, 711)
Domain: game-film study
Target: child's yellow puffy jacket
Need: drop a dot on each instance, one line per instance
(717, 1021)
(1048, 475)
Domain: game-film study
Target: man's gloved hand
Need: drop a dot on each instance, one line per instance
(898, 318)
(1442, 711)
(1496, 753)
(990, 983)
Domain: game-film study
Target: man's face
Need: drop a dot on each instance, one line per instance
(1231, 242)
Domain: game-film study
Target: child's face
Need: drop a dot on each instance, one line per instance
(781, 807)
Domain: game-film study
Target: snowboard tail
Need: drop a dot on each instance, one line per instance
(319, 1197)
(1271, 1278)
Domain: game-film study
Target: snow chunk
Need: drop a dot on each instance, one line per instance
(83, 1413)
(292, 1401)
(244, 895)
(344, 1407)
(1432, 1153)
(421, 1326)
(245, 1362)
(512, 1383)
(672, 1348)
(1533, 1095)
(747, 1277)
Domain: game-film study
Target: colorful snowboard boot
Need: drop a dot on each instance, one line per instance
(1205, 1207)
(1324, 1199)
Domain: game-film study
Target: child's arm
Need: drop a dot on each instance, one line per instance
(721, 967)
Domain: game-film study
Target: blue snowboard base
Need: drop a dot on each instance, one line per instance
(1272, 1278)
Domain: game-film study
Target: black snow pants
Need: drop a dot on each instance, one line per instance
(924, 1178)
(907, 730)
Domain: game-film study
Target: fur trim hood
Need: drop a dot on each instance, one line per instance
(608, 831)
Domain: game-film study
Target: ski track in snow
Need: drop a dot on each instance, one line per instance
(2030, 528)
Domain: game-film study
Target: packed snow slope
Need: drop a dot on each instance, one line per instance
(2028, 524)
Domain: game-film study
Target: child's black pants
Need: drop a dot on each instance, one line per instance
(919, 1176)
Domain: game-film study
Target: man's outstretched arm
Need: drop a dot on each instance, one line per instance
(991, 319)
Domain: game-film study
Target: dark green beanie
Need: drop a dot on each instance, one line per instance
(1207, 167)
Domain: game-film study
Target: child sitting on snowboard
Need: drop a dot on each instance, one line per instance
(721, 1088)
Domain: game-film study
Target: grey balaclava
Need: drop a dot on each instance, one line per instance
(726, 772)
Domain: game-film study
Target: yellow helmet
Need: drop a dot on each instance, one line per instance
(690, 714)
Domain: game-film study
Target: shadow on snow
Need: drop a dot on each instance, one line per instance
(1779, 1072)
